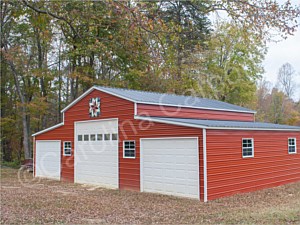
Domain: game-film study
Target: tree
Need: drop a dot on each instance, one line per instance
(286, 79)
(52, 51)
(233, 64)
(274, 106)
(261, 17)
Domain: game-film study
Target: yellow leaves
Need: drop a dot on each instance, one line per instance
(80, 75)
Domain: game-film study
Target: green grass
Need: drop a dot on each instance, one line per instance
(13, 164)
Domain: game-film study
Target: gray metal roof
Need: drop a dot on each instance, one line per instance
(172, 99)
(221, 124)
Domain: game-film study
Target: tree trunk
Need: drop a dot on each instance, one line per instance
(26, 126)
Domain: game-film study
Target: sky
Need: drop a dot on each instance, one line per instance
(279, 53)
(282, 52)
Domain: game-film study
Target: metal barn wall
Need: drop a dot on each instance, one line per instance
(129, 129)
(272, 165)
(182, 112)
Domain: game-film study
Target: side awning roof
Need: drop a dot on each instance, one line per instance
(220, 124)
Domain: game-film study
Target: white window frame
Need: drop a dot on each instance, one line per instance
(248, 156)
(295, 140)
(67, 148)
(129, 157)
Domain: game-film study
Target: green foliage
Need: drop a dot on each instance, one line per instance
(55, 50)
(13, 164)
(233, 64)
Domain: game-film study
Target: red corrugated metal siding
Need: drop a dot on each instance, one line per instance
(229, 173)
(129, 129)
(169, 111)
(111, 107)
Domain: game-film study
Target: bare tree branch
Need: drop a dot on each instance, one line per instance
(52, 15)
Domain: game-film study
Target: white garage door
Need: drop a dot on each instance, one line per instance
(170, 166)
(96, 153)
(48, 159)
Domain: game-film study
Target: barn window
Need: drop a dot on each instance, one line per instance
(247, 147)
(67, 148)
(292, 145)
(114, 137)
(80, 137)
(99, 137)
(106, 137)
(129, 149)
(93, 137)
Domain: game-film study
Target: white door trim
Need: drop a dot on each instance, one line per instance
(59, 156)
(87, 121)
(167, 138)
(75, 144)
(204, 165)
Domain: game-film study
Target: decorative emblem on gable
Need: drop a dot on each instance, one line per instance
(94, 107)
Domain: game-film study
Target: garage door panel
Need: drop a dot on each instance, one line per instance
(96, 162)
(47, 158)
(104, 181)
(170, 166)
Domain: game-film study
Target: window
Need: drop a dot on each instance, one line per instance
(106, 137)
(86, 137)
(67, 148)
(80, 137)
(93, 137)
(129, 149)
(247, 147)
(292, 145)
(114, 137)
(99, 137)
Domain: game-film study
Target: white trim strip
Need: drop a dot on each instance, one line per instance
(33, 156)
(204, 165)
(135, 109)
(99, 120)
(167, 122)
(141, 166)
(207, 127)
(48, 129)
(77, 99)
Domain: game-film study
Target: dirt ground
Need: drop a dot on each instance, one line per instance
(28, 200)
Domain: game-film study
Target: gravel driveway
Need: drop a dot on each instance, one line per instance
(27, 200)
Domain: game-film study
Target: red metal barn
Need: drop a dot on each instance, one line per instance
(169, 144)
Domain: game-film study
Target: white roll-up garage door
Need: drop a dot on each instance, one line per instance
(96, 153)
(170, 166)
(47, 159)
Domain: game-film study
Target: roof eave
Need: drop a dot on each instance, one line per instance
(209, 127)
(48, 129)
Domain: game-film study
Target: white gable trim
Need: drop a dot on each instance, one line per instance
(48, 129)
(77, 99)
